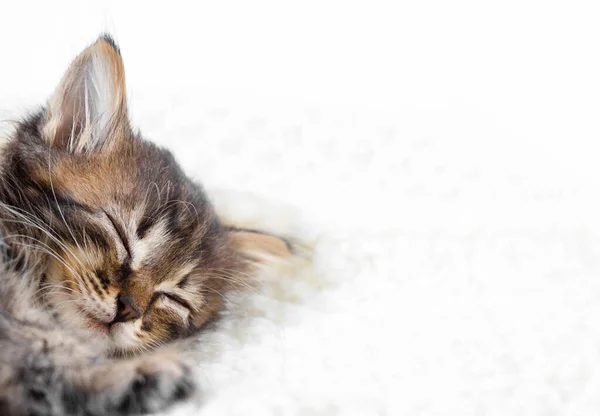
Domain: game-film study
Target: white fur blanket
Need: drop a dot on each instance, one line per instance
(438, 159)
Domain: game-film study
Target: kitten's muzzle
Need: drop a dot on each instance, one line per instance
(126, 310)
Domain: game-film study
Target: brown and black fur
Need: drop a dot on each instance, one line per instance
(109, 252)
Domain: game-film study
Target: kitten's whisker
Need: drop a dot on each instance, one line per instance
(231, 278)
(145, 203)
(235, 284)
(54, 288)
(86, 252)
(210, 289)
(155, 344)
(52, 293)
(43, 249)
(22, 213)
(84, 285)
(174, 202)
(61, 285)
(248, 275)
(68, 301)
(39, 227)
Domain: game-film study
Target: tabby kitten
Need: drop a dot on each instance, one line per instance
(109, 252)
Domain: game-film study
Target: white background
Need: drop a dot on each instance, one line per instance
(440, 157)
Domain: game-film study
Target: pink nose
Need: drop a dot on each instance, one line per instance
(126, 311)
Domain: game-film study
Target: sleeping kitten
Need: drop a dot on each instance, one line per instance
(108, 252)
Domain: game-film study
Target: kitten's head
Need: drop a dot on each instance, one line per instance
(136, 252)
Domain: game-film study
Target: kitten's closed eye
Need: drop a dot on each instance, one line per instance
(177, 299)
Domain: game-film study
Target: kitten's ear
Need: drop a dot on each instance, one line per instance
(88, 109)
(258, 246)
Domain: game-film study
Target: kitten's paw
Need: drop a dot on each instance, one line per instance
(162, 380)
(146, 384)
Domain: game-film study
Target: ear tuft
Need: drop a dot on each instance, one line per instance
(88, 108)
(106, 37)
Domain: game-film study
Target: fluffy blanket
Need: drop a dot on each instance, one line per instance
(436, 162)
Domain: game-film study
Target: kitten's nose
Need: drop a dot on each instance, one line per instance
(126, 311)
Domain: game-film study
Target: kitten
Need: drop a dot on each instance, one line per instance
(109, 252)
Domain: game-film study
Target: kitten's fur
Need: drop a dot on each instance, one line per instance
(108, 251)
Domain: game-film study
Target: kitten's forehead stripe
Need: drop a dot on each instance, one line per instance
(143, 249)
